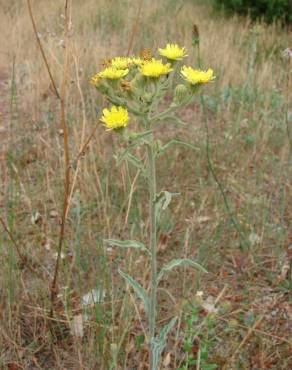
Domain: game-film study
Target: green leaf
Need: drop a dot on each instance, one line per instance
(157, 344)
(140, 138)
(126, 155)
(126, 244)
(136, 162)
(177, 142)
(162, 201)
(167, 200)
(140, 292)
(174, 119)
(177, 263)
(134, 141)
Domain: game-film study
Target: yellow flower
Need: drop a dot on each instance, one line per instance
(113, 73)
(173, 52)
(95, 80)
(120, 62)
(154, 68)
(116, 117)
(197, 76)
(137, 61)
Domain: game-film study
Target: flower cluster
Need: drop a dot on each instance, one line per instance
(134, 83)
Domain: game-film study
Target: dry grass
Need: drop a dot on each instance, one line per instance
(249, 152)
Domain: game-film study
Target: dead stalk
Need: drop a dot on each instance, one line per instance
(63, 126)
(42, 49)
(135, 26)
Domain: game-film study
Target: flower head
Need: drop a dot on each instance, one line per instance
(137, 61)
(120, 62)
(115, 118)
(154, 68)
(113, 73)
(197, 76)
(173, 52)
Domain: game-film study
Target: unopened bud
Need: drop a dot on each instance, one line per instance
(195, 35)
(148, 97)
(181, 94)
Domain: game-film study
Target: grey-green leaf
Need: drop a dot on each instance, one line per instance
(162, 201)
(126, 244)
(167, 200)
(177, 263)
(140, 292)
(135, 161)
(159, 343)
(177, 142)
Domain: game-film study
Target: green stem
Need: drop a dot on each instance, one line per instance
(172, 108)
(153, 244)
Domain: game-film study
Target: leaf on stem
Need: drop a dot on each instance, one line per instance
(176, 142)
(157, 344)
(126, 244)
(140, 292)
(135, 161)
(178, 263)
(162, 201)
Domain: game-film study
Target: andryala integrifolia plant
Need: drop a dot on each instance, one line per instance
(135, 86)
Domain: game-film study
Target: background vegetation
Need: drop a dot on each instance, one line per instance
(237, 224)
(269, 10)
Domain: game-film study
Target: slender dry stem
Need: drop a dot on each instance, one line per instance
(63, 126)
(135, 27)
(42, 49)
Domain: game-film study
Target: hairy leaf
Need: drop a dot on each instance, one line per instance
(177, 263)
(126, 244)
(140, 292)
(157, 344)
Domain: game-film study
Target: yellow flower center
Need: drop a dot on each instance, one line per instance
(116, 117)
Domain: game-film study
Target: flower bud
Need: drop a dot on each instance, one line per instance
(195, 35)
(148, 97)
(181, 94)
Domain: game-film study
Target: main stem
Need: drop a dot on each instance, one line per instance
(153, 247)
